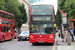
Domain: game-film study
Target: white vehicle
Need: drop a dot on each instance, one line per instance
(23, 36)
(16, 34)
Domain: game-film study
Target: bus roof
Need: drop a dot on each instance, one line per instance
(41, 4)
(6, 12)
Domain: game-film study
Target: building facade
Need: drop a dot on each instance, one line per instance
(33, 1)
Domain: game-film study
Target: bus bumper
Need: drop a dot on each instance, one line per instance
(34, 41)
(0, 38)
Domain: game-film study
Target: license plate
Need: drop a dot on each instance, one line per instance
(41, 41)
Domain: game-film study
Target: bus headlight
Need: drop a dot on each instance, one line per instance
(51, 36)
(31, 36)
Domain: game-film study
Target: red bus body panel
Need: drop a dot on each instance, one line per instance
(6, 12)
(44, 38)
(7, 35)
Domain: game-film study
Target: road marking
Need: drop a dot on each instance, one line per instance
(54, 46)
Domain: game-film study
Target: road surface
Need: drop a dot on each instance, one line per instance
(24, 45)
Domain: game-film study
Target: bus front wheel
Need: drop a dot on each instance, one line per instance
(3, 38)
(11, 37)
(33, 43)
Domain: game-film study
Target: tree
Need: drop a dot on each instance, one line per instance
(23, 13)
(12, 7)
(2, 3)
(61, 4)
(23, 17)
(68, 7)
(58, 18)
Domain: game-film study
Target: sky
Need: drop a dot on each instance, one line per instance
(52, 2)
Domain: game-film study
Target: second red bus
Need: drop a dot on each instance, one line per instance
(7, 30)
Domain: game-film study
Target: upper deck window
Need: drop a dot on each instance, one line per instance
(41, 10)
(6, 16)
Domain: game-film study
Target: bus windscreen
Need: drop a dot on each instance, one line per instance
(41, 10)
(39, 28)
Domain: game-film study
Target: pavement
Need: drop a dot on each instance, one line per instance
(64, 46)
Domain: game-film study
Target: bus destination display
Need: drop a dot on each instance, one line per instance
(41, 18)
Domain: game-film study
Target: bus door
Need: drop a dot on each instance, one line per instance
(13, 31)
(12, 28)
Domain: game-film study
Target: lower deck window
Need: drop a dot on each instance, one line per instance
(5, 29)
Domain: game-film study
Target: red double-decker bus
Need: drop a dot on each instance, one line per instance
(41, 24)
(7, 30)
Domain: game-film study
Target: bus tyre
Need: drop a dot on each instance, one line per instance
(33, 43)
(11, 37)
(52, 43)
(3, 38)
(15, 37)
(18, 39)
